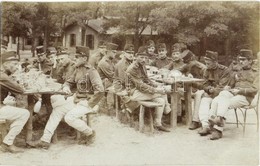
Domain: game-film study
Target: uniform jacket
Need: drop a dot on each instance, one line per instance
(217, 78)
(64, 72)
(161, 63)
(87, 81)
(138, 79)
(106, 69)
(247, 81)
(120, 73)
(7, 84)
(46, 66)
(195, 68)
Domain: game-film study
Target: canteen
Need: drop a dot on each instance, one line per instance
(37, 106)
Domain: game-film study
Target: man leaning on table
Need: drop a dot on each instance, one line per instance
(8, 111)
(142, 88)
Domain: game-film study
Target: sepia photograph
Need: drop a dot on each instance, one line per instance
(106, 83)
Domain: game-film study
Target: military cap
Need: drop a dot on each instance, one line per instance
(161, 46)
(179, 47)
(101, 44)
(40, 50)
(211, 55)
(8, 56)
(82, 51)
(186, 55)
(141, 51)
(246, 53)
(111, 46)
(129, 48)
(150, 43)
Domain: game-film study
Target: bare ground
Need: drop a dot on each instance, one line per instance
(119, 144)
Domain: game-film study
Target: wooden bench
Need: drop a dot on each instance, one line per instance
(3, 129)
(146, 106)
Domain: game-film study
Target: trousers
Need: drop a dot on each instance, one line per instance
(18, 117)
(161, 99)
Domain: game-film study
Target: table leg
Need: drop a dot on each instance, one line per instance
(29, 125)
(188, 103)
(174, 106)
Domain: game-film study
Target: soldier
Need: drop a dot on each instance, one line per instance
(89, 91)
(245, 89)
(176, 63)
(161, 60)
(121, 66)
(45, 64)
(65, 67)
(193, 67)
(150, 50)
(142, 88)
(17, 116)
(217, 77)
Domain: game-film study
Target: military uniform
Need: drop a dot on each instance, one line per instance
(215, 81)
(17, 116)
(161, 63)
(62, 73)
(142, 88)
(106, 70)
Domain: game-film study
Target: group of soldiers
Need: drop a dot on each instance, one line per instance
(89, 77)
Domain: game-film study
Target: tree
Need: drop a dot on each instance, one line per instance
(16, 20)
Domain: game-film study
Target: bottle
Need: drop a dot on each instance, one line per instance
(37, 106)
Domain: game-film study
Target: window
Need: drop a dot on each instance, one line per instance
(72, 40)
(90, 41)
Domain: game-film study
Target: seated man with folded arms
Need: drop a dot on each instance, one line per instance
(17, 116)
(142, 88)
(245, 89)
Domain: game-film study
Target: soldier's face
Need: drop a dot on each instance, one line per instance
(12, 66)
(63, 59)
(129, 56)
(141, 59)
(151, 50)
(210, 64)
(41, 57)
(162, 53)
(52, 58)
(244, 62)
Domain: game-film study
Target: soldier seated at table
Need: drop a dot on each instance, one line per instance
(17, 116)
(216, 78)
(120, 77)
(245, 89)
(88, 93)
(161, 60)
(142, 88)
(44, 64)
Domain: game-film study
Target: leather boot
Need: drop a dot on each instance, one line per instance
(87, 139)
(38, 144)
(162, 128)
(10, 148)
(194, 125)
(216, 134)
(219, 121)
(204, 131)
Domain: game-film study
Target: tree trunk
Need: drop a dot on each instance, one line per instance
(23, 43)
(18, 49)
(136, 36)
(227, 47)
(33, 44)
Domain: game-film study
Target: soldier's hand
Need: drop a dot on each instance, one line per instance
(160, 90)
(66, 89)
(234, 91)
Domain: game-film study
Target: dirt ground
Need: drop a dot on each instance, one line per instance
(119, 144)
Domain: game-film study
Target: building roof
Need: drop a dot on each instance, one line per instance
(96, 24)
